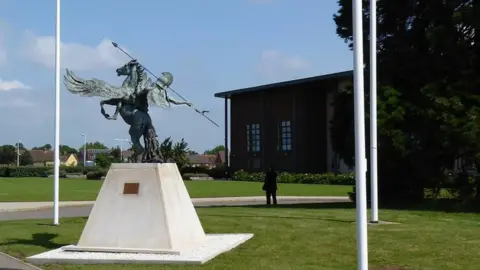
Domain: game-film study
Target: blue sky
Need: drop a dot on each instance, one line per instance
(209, 46)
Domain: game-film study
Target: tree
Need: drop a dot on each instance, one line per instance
(46, 147)
(131, 148)
(427, 101)
(94, 145)
(177, 152)
(103, 161)
(67, 149)
(116, 154)
(166, 148)
(8, 154)
(26, 158)
(180, 153)
(214, 150)
(193, 153)
(20, 145)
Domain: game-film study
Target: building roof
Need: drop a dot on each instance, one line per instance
(201, 159)
(221, 155)
(41, 155)
(44, 156)
(98, 151)
(228, 94)
(127, 153)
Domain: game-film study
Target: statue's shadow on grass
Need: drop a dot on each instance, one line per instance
(43, 240)
(277, 217)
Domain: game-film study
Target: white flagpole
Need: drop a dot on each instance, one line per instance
(57, 117)
(360, 158)
(373, 112)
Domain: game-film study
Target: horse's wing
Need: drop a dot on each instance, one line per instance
(93, 87)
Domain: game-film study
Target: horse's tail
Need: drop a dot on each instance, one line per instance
(152, 146)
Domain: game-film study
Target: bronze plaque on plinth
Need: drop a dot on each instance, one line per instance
(131, 188)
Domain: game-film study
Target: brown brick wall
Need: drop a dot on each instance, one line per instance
(245, 109)
(304, 106)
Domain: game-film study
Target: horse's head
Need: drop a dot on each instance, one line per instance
(128, 68)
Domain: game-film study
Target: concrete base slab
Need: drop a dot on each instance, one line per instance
(372, 223)
(120, 250)
(214, 245)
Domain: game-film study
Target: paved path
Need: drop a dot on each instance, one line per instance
(10, 263)
(42, 210)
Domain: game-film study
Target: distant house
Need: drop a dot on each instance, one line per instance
(65, 160)
(220, 158)
(46, 158)
(41, 157)
(126, 154)
(206, 161)
(70, 160)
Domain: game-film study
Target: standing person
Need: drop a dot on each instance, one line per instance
(270, 185)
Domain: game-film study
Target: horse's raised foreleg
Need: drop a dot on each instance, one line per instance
(113, 102)
(117, 110)
(102, 109)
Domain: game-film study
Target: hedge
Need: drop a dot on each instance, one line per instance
(216, 173)
(300, 178)
(32, 171)
(189, 176)
(97, 175)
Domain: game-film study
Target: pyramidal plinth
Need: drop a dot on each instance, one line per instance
(143, 215)
(142, 207)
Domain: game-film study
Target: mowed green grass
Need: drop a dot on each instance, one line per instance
(294, 237)
(41, 189)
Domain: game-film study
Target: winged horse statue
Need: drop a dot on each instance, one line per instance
(131, 100)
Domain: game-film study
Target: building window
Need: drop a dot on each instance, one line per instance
(253, 138)
(284, 136)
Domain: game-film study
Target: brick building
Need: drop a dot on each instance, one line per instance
(285, 124)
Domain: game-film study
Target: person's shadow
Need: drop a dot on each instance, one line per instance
(38, 239)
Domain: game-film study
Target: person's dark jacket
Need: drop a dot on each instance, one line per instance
(270, 183)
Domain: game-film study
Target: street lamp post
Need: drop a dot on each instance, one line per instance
(84, 149)
(121, 146)
(18, 152)
(56, 179)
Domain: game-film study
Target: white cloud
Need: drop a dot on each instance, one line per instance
(274, 65)
(12, 85)
(41, 50)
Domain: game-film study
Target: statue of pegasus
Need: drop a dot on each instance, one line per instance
(131, 100)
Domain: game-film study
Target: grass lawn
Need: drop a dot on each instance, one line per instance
(41, 189)
(295, 237)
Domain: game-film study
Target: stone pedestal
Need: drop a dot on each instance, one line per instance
(142, 207)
